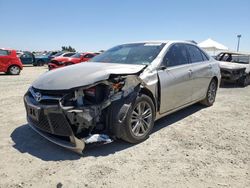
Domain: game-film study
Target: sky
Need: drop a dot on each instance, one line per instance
(95, 25)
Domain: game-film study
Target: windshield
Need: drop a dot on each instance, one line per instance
(137, 53)
(244, 59)
(234, 58)
(58, 54)
(77, 55)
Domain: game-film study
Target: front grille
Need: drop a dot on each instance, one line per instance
(42, 123)
(55, 62)
(54, 123)
(59, 124)
(50, 118)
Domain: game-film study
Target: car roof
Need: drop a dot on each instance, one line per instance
(6, 49)
(235, 53)
(165, 41)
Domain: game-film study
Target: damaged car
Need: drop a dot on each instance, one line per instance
(235, 67)
(120, 93)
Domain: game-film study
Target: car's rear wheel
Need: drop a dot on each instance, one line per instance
(139, 121)
(14, 70)
(244, 81)
(211, 93)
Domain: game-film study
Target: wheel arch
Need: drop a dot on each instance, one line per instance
(147, 92)
(14, 65)
(216, 79)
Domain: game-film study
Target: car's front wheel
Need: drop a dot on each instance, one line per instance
(211, 93)
(14, 70)
(139, 121)
(40, 62)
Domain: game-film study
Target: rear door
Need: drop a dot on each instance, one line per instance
(201, 71)
(27, 58)
(175, 85)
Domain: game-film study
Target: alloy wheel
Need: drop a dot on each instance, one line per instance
(141, 119)
(14, 70)
(212, 92)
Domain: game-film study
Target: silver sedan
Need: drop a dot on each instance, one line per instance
(121, 92)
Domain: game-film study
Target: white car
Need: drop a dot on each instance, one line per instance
(235, 67)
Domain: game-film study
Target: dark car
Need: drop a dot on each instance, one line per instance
(26, 57)
(45, 58)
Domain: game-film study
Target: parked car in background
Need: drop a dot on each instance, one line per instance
(42, 59)
(235, 67)
(57, 54)
(62, 57)
(76, 58)
(120, 92)
(26, 57)
(9, 62)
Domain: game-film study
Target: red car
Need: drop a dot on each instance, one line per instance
(77, 58)
(9, 62)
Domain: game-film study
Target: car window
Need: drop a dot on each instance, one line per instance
(176, 55)
(204, 56)
(26, 55)
(68, 54)
(88, 56)
(4, 52)
(194, 53)
(77, 55)
(243, 59)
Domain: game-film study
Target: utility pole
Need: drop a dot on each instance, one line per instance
(238, 46)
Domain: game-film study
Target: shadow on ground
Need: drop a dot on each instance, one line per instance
(229, 85)
(28, 141)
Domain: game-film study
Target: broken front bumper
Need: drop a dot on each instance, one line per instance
(232, 75)
(50, 122)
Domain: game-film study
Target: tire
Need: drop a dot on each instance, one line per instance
(40, 62)
(14, 70)
(211, 93)
(136, 127)
(244, 81)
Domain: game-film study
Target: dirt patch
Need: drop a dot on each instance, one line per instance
(195, 147)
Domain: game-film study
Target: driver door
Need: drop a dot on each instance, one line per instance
(175, 79)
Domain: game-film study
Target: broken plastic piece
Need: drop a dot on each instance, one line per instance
(98, 138)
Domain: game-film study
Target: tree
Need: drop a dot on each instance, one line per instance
(68, 48)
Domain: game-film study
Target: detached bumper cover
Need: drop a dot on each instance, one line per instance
(50, 122)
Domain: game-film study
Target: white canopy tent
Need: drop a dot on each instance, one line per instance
(212, 46)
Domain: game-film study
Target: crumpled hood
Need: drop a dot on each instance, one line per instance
(82, 74)
(231, 65)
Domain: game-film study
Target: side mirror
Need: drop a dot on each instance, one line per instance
(162, 67)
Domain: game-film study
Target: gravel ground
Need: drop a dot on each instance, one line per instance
(195, 147)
